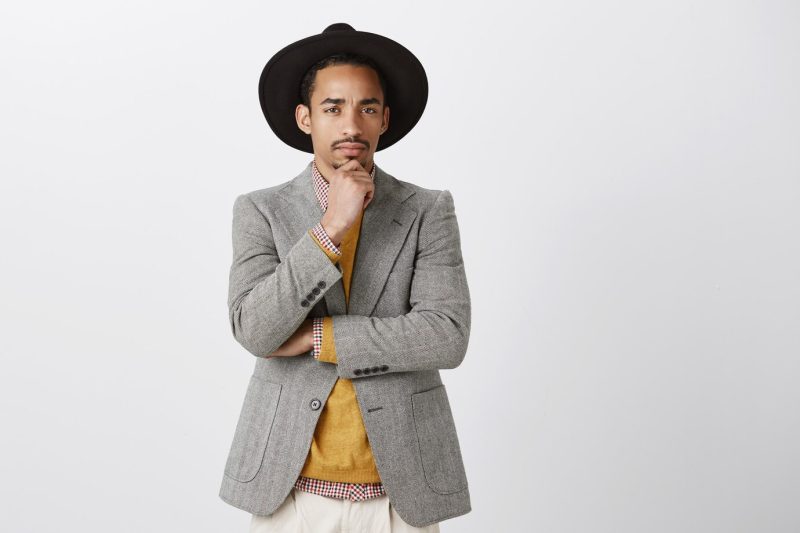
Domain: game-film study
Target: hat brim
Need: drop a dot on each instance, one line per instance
(279, 85)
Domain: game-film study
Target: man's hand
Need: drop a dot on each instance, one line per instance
(350, 192)
(299, 343)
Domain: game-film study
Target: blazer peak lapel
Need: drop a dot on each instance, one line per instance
(384, 228)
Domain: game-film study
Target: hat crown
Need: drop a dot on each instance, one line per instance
(339, 26)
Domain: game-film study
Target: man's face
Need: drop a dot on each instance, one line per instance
(346, 117)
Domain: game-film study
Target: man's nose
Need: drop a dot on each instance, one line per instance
(351, 124)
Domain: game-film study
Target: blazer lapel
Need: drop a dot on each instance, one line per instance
(384, 228)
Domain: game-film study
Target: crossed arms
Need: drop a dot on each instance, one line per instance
(265, 296)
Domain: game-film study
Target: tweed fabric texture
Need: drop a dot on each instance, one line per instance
(407, 319)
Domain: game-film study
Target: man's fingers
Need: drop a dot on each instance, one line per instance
(353, 164)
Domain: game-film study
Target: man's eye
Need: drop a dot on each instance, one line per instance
(371, 110)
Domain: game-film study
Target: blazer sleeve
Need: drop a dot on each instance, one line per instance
(435, 333)
(268, 298)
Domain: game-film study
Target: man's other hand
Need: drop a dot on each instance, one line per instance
(299, 343)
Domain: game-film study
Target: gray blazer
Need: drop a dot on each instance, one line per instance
(408, 317)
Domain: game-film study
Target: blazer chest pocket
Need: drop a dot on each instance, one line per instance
(253, 429)
(438, 441)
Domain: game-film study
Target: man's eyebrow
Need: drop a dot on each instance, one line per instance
(337, 101)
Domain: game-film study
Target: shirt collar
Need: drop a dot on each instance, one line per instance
(321, 185)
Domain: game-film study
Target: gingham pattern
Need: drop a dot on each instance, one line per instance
(316, 329)
(353, 491)
(320, 233)
(334, 489)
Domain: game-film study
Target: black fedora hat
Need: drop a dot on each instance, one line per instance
(279, 86)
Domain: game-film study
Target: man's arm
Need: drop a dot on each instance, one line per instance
(322, 332)
(435, 333)
(268, 299)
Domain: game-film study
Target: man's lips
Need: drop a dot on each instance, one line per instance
(351, 148)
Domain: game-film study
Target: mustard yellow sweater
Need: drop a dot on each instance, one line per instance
(340, 450)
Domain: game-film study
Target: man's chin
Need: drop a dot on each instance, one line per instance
(343, 160)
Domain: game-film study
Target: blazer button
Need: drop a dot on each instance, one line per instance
(357, 371)
(384, 368)
(304, 303)
(376, 368)
(315, 404)
(321, 284)
(310, 296)
(315, 290)
(367, 371)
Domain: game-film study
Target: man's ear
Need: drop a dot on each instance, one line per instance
(303, 117)
(385, 124)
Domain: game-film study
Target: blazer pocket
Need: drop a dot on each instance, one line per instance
(253, 429)
(438, 441)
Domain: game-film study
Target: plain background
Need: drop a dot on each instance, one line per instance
(626, 177)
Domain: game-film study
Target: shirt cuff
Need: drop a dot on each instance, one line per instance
(325, 349)
(316, 329)
(325, 242)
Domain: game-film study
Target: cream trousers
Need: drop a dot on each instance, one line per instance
(304, 512)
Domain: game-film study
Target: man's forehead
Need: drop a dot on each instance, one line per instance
(346, 74)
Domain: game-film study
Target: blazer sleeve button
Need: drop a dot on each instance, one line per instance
(367, 370)
(384, 368)
(357, 371)
(304, 303)
(321, 284)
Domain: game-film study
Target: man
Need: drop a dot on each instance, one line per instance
(348, 286)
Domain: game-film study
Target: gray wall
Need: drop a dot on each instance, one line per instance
(626, 177)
